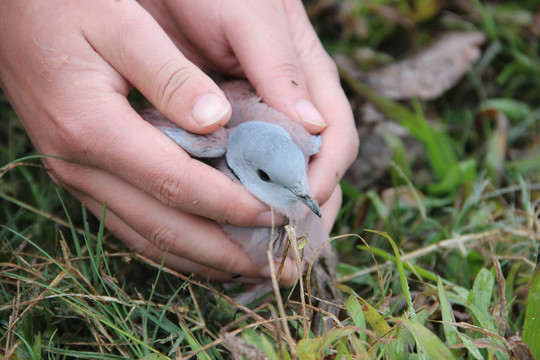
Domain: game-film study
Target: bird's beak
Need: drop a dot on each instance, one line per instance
(304, 197)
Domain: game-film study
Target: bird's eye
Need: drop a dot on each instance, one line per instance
(263, 176)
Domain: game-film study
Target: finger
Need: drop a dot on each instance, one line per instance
(111, 136)
(340, 138)
(184, 235)
(145, 55)
(85, 117)
(140, 245)
(170, 230)
(262, 42)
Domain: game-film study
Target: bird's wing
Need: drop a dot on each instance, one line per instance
(202, 146)
(316, 142)
(247, 106)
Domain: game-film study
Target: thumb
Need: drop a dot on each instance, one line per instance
(138, 48)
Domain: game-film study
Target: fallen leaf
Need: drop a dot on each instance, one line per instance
(429, 73)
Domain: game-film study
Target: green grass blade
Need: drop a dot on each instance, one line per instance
(412, 188)
(399, 152)
(531, 326)
(401, 271)
(410, 267)
(73, 232)
(473, 350)
(95, 257)
(194, 344)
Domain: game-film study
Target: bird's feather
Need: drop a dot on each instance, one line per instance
(247, 107)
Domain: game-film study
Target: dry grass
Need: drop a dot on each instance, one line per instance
(439, 260)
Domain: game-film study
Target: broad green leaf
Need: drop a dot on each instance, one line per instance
(314, 348)
(482, 290)
(154, 356)
(462, 172)
(531, 326)
(450, 331)
(269, 348)
(514, 109)
(428, 341)
(374, 319)
(357, 315)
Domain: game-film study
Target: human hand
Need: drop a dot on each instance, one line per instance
(68, 83)
(274, 46)
(67, 68)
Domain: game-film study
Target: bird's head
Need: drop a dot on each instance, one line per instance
(271, 167)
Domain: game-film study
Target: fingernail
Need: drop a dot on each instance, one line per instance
(309, 113)
(265, 219)
(209, 109)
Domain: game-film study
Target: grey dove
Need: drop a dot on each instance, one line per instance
(268, 153)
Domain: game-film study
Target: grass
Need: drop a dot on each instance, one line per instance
(441, 262)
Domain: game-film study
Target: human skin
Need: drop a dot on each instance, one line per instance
(68, 66)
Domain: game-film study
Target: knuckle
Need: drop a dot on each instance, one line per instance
(162, 236)
(74, 135)
(229, 213)
(231, 265)
(328, 67)
(275, 82)
(236, 209)
(171, 191)
(145, 248)
(286, 69)
(172, 78)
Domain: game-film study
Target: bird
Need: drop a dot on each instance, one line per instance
(268, 153)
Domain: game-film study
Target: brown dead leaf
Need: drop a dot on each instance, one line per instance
(375, 154)
(14, 164)
(519, 348)
(431, 72)
(500, 313)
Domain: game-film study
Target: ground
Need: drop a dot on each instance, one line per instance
(437, 238)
